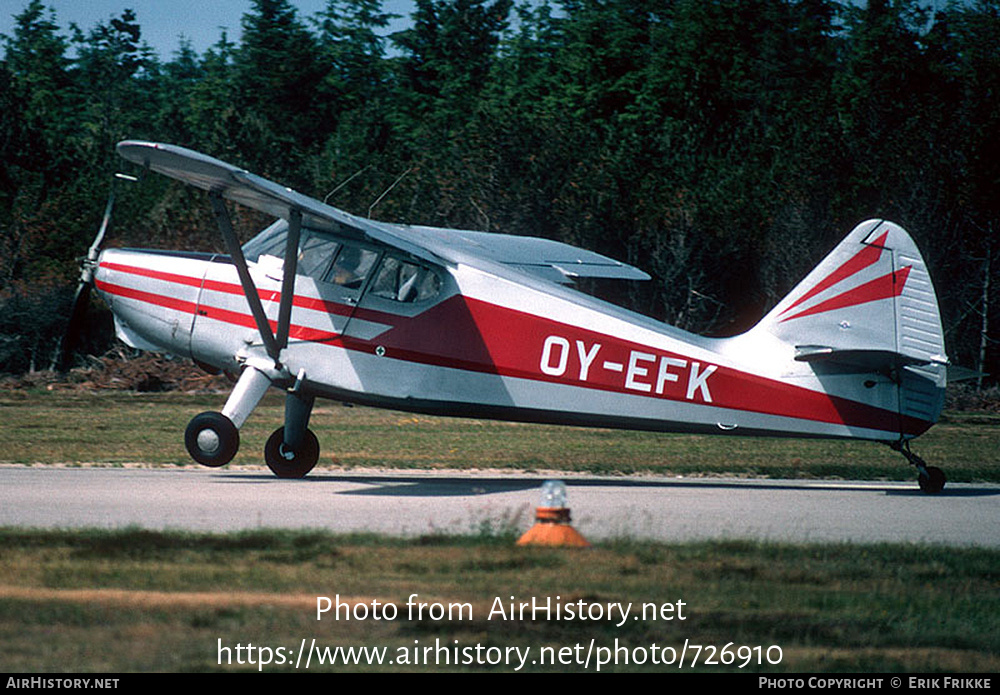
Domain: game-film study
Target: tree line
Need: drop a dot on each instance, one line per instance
(722, 145)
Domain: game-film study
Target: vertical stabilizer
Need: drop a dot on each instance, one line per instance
(871, 293)
(870, 306)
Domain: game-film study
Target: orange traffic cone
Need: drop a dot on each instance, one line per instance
(552, 519)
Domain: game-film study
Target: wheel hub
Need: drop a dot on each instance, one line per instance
(208, 441)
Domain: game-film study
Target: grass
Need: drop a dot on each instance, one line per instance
(122, 428)
(134, 600)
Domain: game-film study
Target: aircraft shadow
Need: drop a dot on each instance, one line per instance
(458, 486)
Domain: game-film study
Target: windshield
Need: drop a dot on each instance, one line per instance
(270, 242)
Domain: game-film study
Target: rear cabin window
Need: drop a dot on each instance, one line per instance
(402, 281)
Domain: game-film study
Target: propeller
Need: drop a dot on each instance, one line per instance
(88, 266)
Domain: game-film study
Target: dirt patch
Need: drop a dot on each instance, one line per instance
(120, 371)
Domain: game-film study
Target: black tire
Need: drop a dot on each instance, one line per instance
(933, 482)
(305, 457)
(212, 439)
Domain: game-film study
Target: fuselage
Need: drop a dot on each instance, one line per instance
(457, 339)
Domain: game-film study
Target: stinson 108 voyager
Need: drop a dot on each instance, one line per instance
(326, 304)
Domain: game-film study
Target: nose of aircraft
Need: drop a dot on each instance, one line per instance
(153, 296)
(116, 278)
(101, 273)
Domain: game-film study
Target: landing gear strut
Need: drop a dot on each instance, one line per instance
(292, 451)
(213, 438)
(930, 478)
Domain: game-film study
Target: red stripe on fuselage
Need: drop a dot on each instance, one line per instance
(147, 297)
(474, 335)
(486, 337)
(302, 301)
(235, 318)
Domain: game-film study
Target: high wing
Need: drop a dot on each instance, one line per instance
(543, 258)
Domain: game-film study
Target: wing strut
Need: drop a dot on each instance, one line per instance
(288, 281)
(273, 343)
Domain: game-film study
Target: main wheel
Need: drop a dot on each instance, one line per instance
(291, 464)
(212, 439)
(933, 482)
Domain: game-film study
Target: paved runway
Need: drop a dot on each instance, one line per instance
(417, 503)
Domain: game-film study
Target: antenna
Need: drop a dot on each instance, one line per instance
(384, 194)
(480, 211)
(351, 178)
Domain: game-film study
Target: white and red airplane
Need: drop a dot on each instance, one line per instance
(324, 303)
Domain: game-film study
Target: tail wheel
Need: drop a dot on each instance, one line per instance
(291, 464)
(930, 478)
(933, 482)
(212, 439)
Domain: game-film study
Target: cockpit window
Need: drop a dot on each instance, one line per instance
(352, 266)
(347, 264)
(403, 281)
(316, 249)
(429, 286)
(316, 252)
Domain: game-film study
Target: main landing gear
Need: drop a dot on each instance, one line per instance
(930, 478)
(213, 438)
(291, 462)
(292, 451)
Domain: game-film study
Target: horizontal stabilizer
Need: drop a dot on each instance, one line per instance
(956, 373)
(867, 360)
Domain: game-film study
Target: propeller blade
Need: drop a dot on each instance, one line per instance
(81, 300)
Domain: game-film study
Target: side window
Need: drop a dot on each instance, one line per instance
(315, 254)
(402, 281)
(352, 266)
(429, 286)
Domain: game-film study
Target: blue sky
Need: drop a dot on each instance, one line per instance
(163, 22)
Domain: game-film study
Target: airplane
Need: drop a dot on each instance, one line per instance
(326, 304)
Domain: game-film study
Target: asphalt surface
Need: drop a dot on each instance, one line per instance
(419, 503)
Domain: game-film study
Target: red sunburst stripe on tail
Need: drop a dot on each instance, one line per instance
(858, 262)
(885, 287)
